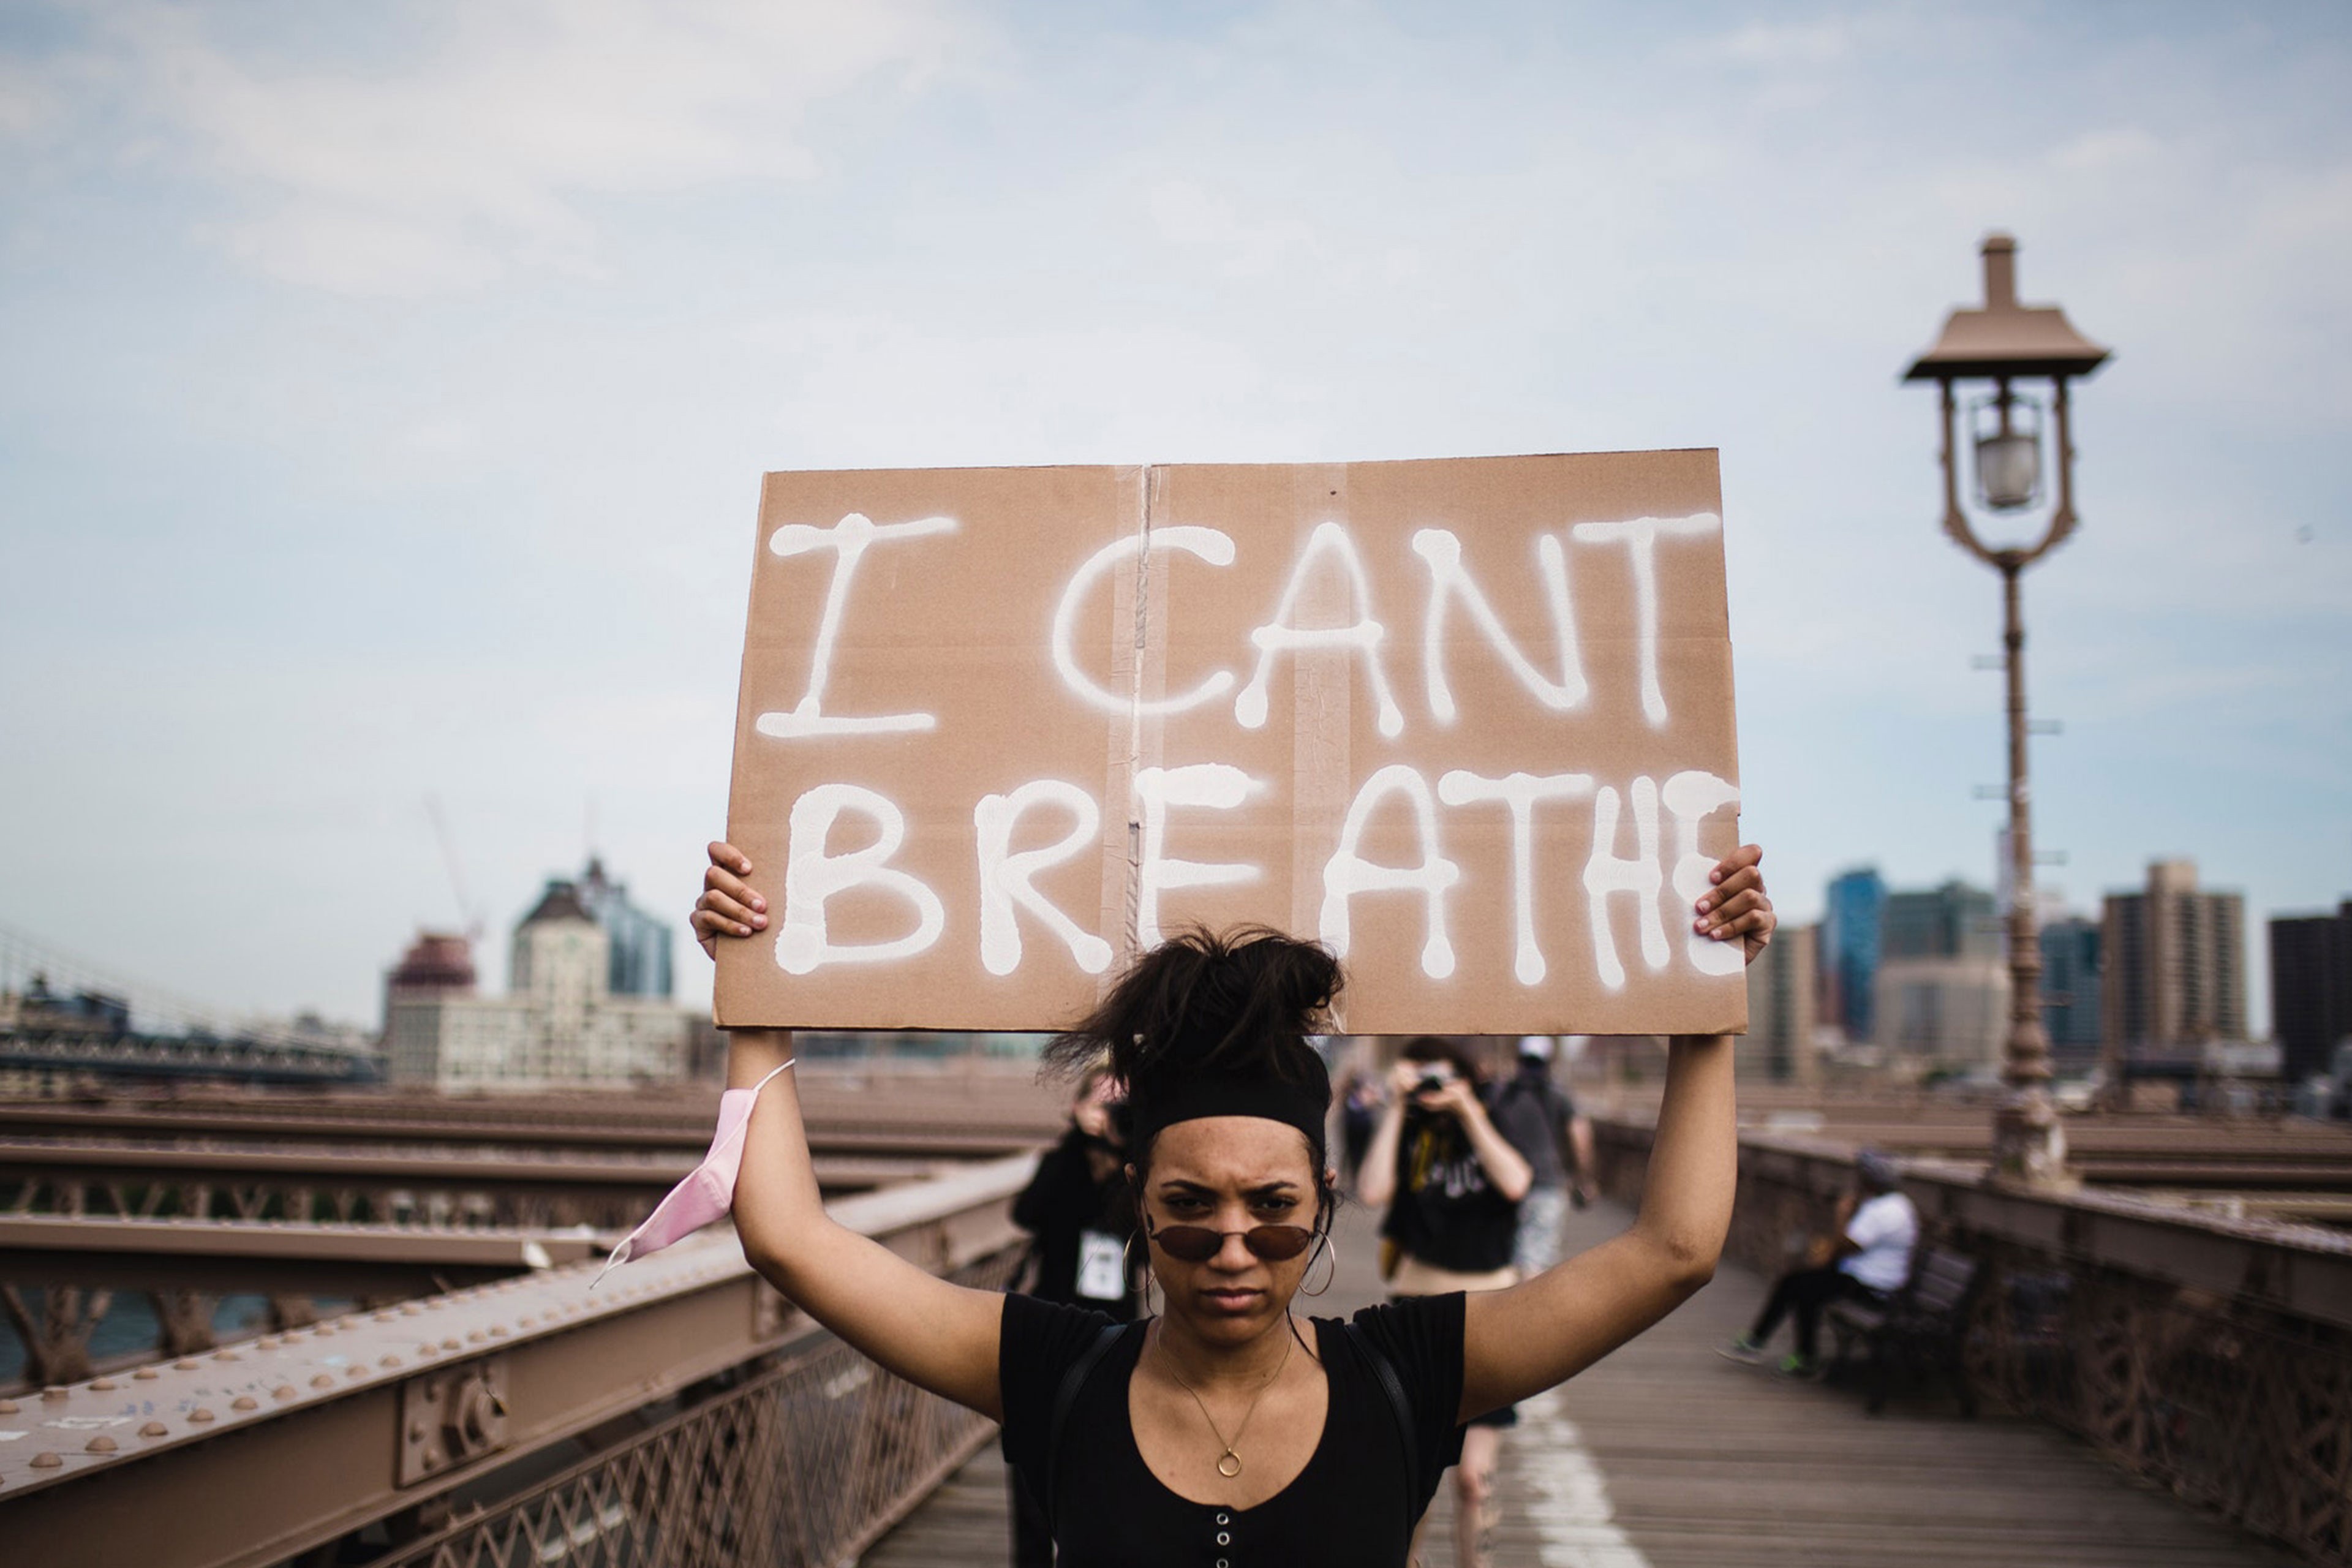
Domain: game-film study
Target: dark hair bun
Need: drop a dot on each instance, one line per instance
(1236, 1004)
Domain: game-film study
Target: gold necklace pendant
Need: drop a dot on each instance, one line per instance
(1230, 1456)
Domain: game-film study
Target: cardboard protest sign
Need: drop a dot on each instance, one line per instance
(1468, 721)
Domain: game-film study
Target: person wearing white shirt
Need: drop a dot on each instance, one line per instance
(1869, 1260)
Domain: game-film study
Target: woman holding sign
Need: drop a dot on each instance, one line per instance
(1227, 1429)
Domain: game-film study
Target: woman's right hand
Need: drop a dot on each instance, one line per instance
(728, 906)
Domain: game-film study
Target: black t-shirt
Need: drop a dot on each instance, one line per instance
(1353, 1506)
(1446, 1211)
(1061, 1205)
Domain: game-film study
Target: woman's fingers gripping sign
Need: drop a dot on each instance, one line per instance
(730, 905)
(1735, 905)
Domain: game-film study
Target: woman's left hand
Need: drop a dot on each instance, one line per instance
(1735, 906)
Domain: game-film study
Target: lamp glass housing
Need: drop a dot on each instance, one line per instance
(2008, 431)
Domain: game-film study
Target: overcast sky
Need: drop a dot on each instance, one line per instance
(385, 391)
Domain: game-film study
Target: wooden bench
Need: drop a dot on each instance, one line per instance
(1922, 1326)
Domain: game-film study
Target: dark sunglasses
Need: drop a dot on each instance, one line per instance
(1198, 1243)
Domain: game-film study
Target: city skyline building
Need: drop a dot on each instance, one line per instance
(1847, 950)
(2071, 990)
(1945, 1011)
(2311, 990)
(560, 1025)
(640, 945)
(1782, 993)
(2173, 966)
(1955, 920)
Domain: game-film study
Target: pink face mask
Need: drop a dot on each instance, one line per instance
(708, 1190)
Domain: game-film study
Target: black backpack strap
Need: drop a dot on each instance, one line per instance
(1074, 1380)
(1385, 1373)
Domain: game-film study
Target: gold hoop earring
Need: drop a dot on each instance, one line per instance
(1331, 1251)
(1126, 1253)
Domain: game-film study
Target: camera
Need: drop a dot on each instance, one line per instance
(1432, 1083)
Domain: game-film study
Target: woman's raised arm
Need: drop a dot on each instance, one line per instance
(1520, 1341)
(935, 1334)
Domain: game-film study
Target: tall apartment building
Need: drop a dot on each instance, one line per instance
(1779, 1044)
(1847, 950)
(2070, 990)
(2173, 964)
(2311, 989)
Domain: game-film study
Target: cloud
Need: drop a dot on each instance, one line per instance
(482, 151)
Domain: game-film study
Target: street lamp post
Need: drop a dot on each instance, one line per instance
(2004, 344)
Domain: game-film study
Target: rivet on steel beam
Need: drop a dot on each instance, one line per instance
(47, 1461)
(8, 1407)
(245, 1401)
(283, 1391)
(474, 1336)
(410, 1309)
(498, 1331)
(104, 1385)
(200, 1413)
(146, 1375)
(385, 1317)
(100, 1445)
(451, 1345)
(355, 1370)
(184, 1364)
(154, 1429)
(525, 1320)
(268, 1342)
(52, 1394)
(324, 1331)
(323, 1381)
(226, 1356)
(389, 1361)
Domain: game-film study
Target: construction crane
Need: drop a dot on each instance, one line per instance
(467, 909)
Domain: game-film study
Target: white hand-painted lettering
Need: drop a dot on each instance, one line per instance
(1690, 797)
(812, 876)
(1520, 792)
(848, 540)
(1348, 873)
(1279, 635)
(1640, 537)
(1442, 550)
(1004, 874)
(1208, 544)
(1217, 785)
(1606, 872)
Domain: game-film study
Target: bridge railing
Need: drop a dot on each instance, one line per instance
(682, 1412)
(2210, 1355)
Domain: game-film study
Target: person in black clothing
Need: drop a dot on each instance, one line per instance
(1227, 1431)
(1077, 1208)
(1079, 1217)
(1451, 1180)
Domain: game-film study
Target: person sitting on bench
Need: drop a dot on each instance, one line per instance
(1868, 1258)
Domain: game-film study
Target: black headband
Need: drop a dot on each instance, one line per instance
(1188, 1097)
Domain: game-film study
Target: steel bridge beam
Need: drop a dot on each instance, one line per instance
(258, 1452)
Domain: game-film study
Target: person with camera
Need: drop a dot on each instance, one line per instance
(1451, 1181)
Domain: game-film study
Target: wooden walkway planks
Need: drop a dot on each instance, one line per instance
(1666, 1456)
